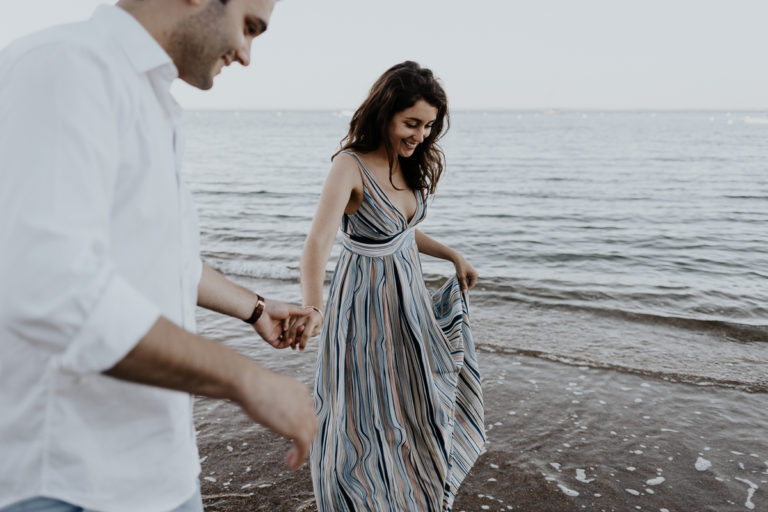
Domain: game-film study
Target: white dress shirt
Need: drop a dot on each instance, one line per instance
(98, 237)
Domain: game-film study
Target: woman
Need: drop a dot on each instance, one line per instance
(397, 392)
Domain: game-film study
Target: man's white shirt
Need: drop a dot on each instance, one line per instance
(98, 238)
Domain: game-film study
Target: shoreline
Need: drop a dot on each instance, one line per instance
(561, 438)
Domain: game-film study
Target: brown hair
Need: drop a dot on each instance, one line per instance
(399, 88)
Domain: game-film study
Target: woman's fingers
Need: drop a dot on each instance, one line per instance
(471, 280)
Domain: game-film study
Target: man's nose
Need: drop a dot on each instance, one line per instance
(243, 54)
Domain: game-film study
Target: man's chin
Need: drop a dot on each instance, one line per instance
(202, 83)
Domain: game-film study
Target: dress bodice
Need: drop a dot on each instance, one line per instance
(378, 220)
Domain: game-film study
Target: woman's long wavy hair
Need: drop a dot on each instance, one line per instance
(399, 88)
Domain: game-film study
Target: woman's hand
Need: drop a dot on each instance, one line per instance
(303, 328)
(466, 273)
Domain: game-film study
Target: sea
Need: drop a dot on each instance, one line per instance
(621, 316)
(632, 241)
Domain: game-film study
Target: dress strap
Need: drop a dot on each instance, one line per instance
(361, 165)
(357, 157)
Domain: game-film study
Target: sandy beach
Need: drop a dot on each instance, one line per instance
(561, 438)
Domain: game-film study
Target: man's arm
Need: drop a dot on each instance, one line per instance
(170, 357)
(217, 293)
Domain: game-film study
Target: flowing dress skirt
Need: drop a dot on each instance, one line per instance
(397, 389)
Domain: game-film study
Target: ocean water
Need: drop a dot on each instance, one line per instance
(621, 316)
(628, 241)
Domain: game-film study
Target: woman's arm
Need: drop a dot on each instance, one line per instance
(342, 192)
(464, 270)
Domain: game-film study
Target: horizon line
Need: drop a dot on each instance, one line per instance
(553, 110)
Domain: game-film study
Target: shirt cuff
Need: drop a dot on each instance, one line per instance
(118, 321)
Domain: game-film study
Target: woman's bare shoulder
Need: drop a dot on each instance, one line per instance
(346, 167)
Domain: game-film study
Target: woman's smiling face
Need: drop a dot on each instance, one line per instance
(410, 127)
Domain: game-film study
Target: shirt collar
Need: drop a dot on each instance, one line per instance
(142, 50)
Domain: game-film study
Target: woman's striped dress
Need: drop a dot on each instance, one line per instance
(397, 390)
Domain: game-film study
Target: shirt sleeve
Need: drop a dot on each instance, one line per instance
(59, 150)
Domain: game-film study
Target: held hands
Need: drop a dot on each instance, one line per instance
(276, 323)
(466, 273)
(304, 328)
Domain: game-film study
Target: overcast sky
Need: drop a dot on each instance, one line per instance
(596, 54)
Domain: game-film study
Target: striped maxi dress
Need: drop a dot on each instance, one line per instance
(397, 389)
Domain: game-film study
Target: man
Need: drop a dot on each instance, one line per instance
(100, 268)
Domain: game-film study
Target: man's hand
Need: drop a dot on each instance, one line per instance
(173, 358)
(281, 404)
(274, 322)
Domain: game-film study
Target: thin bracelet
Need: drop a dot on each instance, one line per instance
(322, 316)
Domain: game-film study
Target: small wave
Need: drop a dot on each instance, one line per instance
(732, 331)
(606, 304)
(761, 197)
(576, 257)
(257, 269)
(751, 387)
(202, 192)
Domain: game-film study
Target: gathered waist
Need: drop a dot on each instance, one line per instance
(378, 249)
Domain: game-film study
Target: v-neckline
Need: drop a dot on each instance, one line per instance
(386, 196)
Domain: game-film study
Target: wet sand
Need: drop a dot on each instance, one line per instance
(561, 438)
